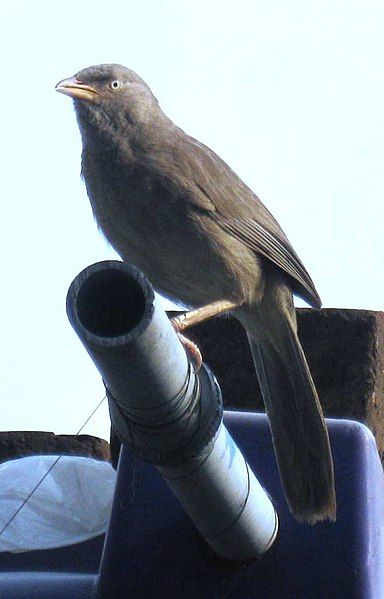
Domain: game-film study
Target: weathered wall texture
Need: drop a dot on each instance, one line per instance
(17, 444)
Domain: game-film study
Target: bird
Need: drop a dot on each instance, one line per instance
(171, 206)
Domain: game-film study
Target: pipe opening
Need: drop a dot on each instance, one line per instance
(110, 303)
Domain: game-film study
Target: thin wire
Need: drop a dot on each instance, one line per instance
(48, 471)
(91, 415)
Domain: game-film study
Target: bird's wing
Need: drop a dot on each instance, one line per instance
(276, 249)
(217, 190)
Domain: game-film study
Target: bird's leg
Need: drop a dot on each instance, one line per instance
(188, 319)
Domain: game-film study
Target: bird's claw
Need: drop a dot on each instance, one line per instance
(191, 348)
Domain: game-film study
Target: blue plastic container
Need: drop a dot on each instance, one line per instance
(153, 550)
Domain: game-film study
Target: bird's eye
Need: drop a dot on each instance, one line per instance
(116, 84)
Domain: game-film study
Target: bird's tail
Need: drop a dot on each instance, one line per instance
(298, 429)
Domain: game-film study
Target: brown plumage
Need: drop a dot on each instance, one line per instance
(170, 205)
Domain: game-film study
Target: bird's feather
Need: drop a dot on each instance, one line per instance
(215, 189)
(292, 404)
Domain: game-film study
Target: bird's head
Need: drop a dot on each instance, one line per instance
(110, 94)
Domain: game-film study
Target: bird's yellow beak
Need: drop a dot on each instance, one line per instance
(76, 90)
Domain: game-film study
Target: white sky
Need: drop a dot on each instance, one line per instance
(290, 94)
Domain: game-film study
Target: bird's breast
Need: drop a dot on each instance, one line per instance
(183, 252)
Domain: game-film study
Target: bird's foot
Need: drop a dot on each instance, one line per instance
(192, 350)
(190, 347)
(187, 319)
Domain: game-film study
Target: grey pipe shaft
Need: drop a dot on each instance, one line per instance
(111, 306)
(169, 415)
(152, 389)
(223, 497)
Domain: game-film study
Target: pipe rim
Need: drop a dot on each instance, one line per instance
(131, 272)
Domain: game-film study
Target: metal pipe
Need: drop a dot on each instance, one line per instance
(222, 496)
(167, 413)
